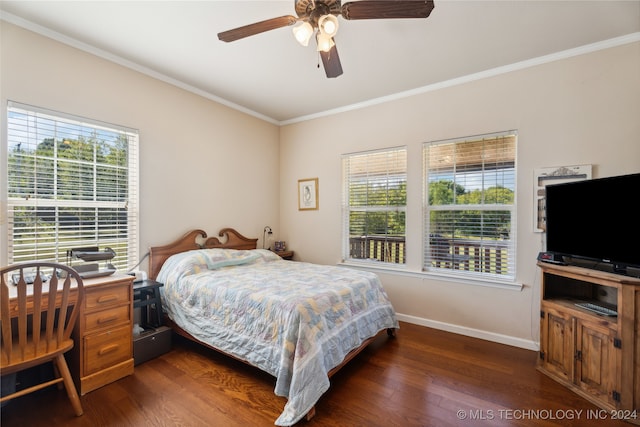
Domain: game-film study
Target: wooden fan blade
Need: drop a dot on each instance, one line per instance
(331, 62)
(257, 28)
(381, 9)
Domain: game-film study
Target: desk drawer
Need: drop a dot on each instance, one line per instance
(107, 348)
(106, 318)
(107, 296)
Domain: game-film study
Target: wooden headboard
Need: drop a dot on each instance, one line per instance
(232, 240)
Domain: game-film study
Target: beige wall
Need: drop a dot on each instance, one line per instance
(582, 110)
(202, 165)
(205, 165)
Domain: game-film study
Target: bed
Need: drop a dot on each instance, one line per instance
(299, 322)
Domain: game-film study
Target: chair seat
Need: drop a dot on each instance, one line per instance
(19, 360)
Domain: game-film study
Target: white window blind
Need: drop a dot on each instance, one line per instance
(469, 215)
(374, 205)
(72, 182)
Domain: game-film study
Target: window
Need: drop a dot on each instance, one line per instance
(469, 215)
(374, 205)
(72, 183)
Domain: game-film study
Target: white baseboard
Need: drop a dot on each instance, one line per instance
(470, 332)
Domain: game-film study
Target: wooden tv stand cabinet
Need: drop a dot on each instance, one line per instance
(596, 356)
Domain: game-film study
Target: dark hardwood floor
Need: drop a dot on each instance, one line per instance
(423, 377)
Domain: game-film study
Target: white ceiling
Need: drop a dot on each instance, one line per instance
(271, 76)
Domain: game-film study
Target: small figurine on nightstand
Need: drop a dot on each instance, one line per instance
(281, 249)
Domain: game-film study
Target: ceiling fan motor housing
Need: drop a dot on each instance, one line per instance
(314, 9)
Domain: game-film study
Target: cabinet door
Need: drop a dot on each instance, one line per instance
(596, 362)
(557, 343)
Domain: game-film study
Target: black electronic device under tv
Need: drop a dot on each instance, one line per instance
(595, 223)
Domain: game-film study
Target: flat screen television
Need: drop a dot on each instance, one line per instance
(595, 223)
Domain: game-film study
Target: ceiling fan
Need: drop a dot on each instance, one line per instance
(320, 17)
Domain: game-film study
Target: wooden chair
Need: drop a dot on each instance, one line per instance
(37, 321)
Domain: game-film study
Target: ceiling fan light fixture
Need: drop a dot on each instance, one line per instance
(303, 33)
(325, 42)
(328, 24)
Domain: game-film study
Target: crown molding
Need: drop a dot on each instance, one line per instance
(533, 62)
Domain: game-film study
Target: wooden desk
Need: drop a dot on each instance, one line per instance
(104, 333)
(103, 341)
(13, 297)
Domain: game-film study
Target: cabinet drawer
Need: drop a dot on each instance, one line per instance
(107, 296)
(105, 318)
(107, 348)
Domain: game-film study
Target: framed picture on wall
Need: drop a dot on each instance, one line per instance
(307, 194)
(553, 175)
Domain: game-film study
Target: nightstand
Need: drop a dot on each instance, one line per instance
(285, 254)
(155, 339)
(146, 296)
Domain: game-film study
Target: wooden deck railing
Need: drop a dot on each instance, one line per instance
(380, 248)
(456, 254)
(470, 255)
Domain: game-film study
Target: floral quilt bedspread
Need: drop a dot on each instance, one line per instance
(294, 320)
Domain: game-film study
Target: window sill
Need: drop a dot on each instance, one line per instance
(389, 269)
